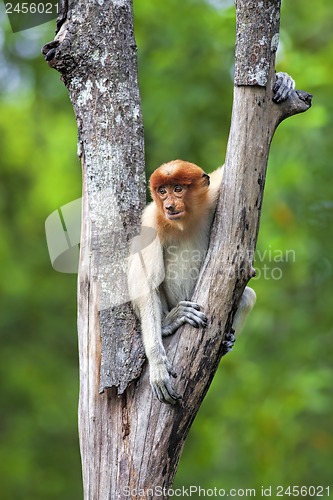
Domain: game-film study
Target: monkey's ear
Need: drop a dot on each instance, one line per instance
(206, 178)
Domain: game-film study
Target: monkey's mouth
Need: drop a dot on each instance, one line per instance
(174, 215)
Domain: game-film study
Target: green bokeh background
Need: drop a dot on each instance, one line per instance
(268, 417)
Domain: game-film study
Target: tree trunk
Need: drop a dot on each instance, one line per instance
(130, 442)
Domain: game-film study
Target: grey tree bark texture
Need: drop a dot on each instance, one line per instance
(130, 442)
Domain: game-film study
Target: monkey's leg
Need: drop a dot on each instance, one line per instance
(184, 312)
(160, 369)
(246, 304)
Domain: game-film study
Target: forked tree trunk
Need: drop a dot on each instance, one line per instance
(130, 442)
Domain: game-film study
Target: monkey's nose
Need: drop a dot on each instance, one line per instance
(170, 207)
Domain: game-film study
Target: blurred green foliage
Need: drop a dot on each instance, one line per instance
(267, 418)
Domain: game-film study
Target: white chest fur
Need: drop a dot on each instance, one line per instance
(182, 261)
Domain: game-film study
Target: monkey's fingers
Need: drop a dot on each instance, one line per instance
(196, 320)
(171, 370)
(187, 319)
(191, 314)
(170, 395)
(187, 303)
(283, 86)
(165, 393)
(281, 95)
(157, 393)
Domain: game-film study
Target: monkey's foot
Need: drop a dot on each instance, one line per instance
(228, 342)
(161, 385)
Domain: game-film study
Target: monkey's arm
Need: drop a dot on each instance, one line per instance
(184, 312)
(160, 368)
(145, 274)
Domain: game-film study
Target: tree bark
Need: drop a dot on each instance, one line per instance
(130, 442)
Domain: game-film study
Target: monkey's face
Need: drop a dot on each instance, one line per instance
(172, 198)
(179, 189)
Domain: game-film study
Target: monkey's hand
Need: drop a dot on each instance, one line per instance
(160, 382)
(184, 312)
(283, 87)
(228, 342)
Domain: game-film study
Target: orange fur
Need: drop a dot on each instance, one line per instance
(180, 172)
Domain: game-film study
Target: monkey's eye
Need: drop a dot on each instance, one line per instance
(178, 189)
(162, 190)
